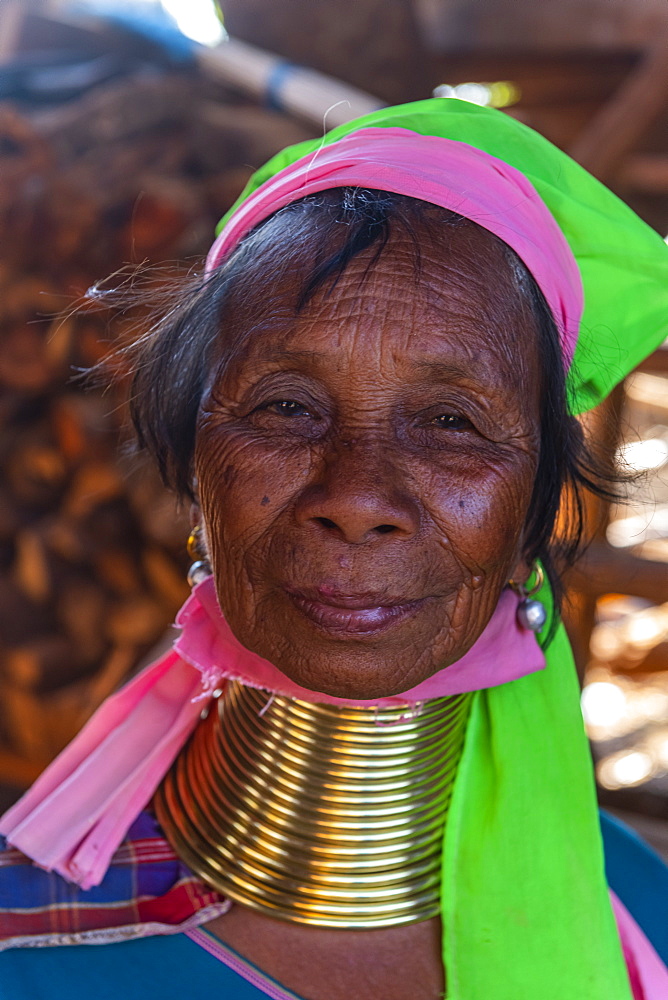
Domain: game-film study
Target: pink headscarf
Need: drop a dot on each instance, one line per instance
(441, 171)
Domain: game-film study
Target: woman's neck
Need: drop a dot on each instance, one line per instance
(314, 813)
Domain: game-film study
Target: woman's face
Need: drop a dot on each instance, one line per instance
(365, 465)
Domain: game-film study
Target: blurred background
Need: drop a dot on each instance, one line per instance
(127, 128)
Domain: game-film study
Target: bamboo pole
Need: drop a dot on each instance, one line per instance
(312, 97)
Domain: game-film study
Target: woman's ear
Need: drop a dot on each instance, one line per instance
(520, 572)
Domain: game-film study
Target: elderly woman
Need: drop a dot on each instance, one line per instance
(370, 775)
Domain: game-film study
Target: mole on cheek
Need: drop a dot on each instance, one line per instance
(264, 501)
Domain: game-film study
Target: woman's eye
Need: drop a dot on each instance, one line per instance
(452, 422)
(287, 408)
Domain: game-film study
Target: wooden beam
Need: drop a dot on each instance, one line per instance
(605, 570)
(646, 172)
(623, 120)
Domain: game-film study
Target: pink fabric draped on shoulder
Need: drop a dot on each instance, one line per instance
(76, 814)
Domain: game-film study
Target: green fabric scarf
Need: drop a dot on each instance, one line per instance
(526, 914)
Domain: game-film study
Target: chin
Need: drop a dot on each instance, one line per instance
(354, 674)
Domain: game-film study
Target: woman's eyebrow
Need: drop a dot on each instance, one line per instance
(448, 371)
(286, 354)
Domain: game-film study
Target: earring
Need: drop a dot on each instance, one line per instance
(531, 614)
(196, 548)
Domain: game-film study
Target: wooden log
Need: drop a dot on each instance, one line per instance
(226, 140)
(225, 188)
(43, 664)
(119, 571)
(31, 568)
(166, 580)
(25, 723)
(656, 364)
(23, 365)
(81, 608)
(20, 616)
(121, 112)
(135, 622)
(94, 484)
(656, 660)
(161, 519)
(162, 214)
(10, 518)
(25, 295)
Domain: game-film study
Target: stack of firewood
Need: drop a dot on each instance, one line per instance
(92, 549)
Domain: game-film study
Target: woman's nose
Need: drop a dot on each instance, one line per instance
(358, 498)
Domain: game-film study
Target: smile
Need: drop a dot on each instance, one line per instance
(352, 616)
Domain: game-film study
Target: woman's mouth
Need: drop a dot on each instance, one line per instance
(348, 615)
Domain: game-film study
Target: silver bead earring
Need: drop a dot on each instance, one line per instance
(531, 614)
(196, 547)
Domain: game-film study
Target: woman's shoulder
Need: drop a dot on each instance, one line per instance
(108, 971)
(171, 967)
(147, 890)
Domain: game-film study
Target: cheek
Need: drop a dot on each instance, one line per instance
(243, 488)
(479, 509)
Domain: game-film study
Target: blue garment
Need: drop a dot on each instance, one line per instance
(173, 967)
(154, 968)
(639, 877)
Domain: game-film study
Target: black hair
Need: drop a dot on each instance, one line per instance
(172, 362)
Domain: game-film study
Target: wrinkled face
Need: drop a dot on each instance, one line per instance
(365, 465)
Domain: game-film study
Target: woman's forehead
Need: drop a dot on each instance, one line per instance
(450, 296)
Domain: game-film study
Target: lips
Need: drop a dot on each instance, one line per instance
(352, 615)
